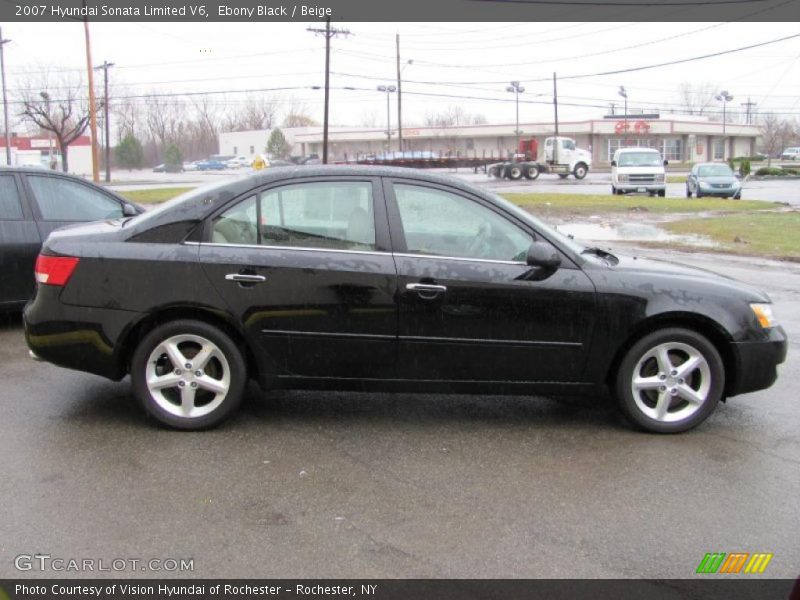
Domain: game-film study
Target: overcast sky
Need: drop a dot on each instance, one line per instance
(455, 59)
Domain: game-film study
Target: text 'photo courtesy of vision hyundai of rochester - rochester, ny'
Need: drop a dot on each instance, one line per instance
(376, 278)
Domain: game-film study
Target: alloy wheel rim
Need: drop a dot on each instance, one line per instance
(671, 382)
(188, 376)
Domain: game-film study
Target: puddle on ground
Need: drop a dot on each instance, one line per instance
(632, 232)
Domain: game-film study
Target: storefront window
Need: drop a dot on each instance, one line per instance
(719, 149)
(615, 144)
(673, 149)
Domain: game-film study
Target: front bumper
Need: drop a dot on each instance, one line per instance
(757, 362)
(711, 191)
(641, 187)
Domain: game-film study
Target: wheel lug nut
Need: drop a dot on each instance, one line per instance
(198, 373)
(188, 365)
(673, 391)
(661, 376)
(194, 384)
(181, 383)
(662, 388)
(680, 380)
(177, 371)
(674, 373)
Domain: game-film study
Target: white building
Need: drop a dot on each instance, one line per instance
(679, 138)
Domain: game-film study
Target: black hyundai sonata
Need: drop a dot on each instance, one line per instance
(386, 279)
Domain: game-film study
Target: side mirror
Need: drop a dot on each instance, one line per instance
(613, 163)
(541, 254)
(128, 210)
(666, 162)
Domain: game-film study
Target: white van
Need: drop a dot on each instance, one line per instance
(638, 170)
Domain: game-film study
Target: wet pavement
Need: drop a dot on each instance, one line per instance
(377, 485)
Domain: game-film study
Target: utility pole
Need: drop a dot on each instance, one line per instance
(3, 42)
(328, 33)
(105, 66)
(556, 141)
(516, 89)
(749, 106)
(399, 98)
(613, 107)
(92, 110)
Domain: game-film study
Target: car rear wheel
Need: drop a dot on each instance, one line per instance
(515, 172)
(188, 374)
(670, 381)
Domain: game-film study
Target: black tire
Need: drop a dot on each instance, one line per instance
(707, 380)
(580, 171)
(688, 192)
(224, 370)
(737, 196)
(515, 172)
(662, 193)
(613, 191)
(563, 175)
(531, 172)
(698, 193)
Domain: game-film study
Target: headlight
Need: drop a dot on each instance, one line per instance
(764, 315)
(659, 179)
(703, 182)
(622, 177)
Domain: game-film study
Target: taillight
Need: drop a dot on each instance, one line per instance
(54, 270)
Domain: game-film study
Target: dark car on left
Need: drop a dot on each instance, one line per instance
(33, 203)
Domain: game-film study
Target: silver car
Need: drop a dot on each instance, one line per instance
(713, 179)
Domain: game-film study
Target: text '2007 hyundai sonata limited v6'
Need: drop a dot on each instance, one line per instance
(374, 278)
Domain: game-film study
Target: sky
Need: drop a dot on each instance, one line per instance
(466, 64)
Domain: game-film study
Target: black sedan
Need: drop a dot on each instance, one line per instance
(34, 202)
(373, 278)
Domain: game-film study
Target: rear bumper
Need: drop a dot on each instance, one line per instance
(85, 339)
(757, 367)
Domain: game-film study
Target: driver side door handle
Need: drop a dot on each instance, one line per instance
(426, 291)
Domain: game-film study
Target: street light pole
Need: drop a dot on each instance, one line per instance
(724, 97)
(388, 90)
(105, 66)
(46, 97)
(3, 42)
(516, 89)
(624, 93)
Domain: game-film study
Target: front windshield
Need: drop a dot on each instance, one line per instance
(714, 171)
(548, 231)
(639, 159)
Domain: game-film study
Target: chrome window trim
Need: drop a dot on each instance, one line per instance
(478, 260)
(402, 254)
(300, 248)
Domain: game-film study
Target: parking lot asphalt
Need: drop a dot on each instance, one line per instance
(303, 484)
(786, 190)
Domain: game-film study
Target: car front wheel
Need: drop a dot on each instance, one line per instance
(670, 380)
(188, 374)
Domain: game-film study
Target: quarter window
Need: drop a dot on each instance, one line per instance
(440, 223)
(10, 207)
(65, 200)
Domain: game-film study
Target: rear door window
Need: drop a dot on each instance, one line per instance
(10, 203)
(62, 199)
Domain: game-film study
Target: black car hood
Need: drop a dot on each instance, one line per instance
(659, 269)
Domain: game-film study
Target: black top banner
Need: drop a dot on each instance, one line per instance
(392, 10)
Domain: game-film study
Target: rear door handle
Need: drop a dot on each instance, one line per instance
(244, 278)
(426, 291)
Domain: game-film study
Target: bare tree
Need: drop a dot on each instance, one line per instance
(258, 112)
(776, 134)
(452, 116)
(298, 115)
(698, 99)
(58, 104)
